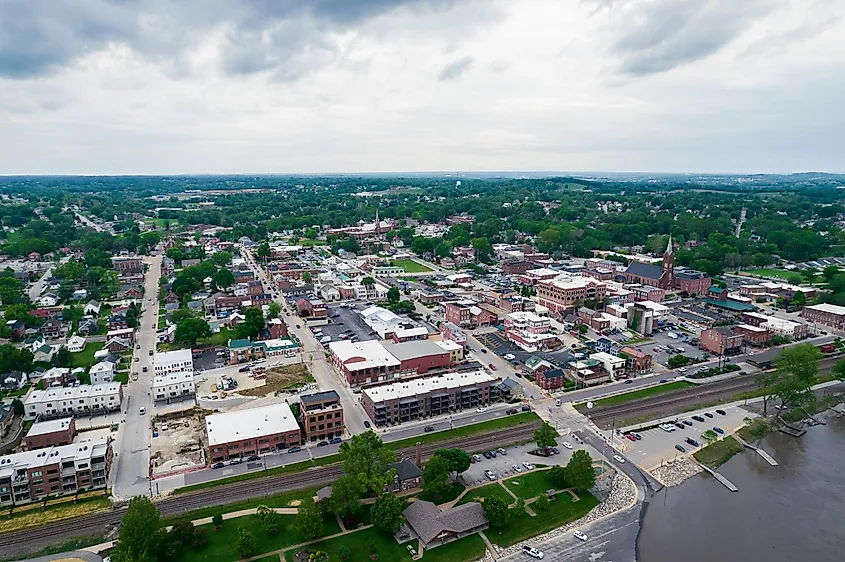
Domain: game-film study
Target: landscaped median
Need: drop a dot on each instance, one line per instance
(425, 439)
(718, 452)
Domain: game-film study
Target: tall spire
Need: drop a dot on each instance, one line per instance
(669, 245)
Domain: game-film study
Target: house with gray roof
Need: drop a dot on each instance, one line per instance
(435, 527)
(407, 476)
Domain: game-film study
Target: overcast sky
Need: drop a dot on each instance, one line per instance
(289, 86)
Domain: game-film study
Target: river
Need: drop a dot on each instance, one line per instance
(794, 512)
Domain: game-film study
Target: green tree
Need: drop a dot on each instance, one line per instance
(189, 330)
(217, 521)
(306, 277)
(579, 470)
(346, 495)
(367, 458)
(309, 523)
(458, 460)
(799, 299)
(221, 259)
(63, 357)
(557, 475)
(482, 248)
(181, 314)
(582, 329)
(678, 361)
(263, 251)
(223, 278)
(436, 475)
(387, 513)
(140, 533)
(797, 368)
(270, 520)
(766, 381)
(496, 511)
(368, 281)
(17, 407)
(245, 543)
(519, 506)
(541, 503)
(545, 436)
(839, 370)
(393, 295)
(252, 324)
(709, 436)
(274, 309)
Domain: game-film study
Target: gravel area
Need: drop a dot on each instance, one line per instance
(674, 472)
(622, 494)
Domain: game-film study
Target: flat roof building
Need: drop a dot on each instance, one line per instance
(173, 386)
(322, 415)
(50, 433)
(254, 431)
(177, 361)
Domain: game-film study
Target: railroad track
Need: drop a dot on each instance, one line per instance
(701, 393)
(29, 540)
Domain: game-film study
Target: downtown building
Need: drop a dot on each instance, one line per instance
(239, 434)
(563, 292)
(424, 397)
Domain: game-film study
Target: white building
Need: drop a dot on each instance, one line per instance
(76, 344)
(174, 386)
(102, 372)
(612, 364)
(179, 361)
(73, 400)
(387, 271)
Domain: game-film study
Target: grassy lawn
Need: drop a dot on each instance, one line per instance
(719, 452)
(635, 341)
(410, 266)
(453, 492)
(779, 273)
(284, 499)
(85, 358)
(638, 394)
(220, 338)
(34, 517)
(530, 485)
(466, 549)
(19, 392)
(359, 547)
(561, 510)
(435, 437)
(221, 546)
(753, 430)
(488, 491)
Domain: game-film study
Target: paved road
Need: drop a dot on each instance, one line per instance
(131, 470)
(314, 354)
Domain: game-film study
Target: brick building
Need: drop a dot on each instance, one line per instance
(52, 433)
(562, 293)
(322, 415)
(639, 362)
(550, 379)
(242, 433)
(722, 340)
(826, 314)
(431, 396)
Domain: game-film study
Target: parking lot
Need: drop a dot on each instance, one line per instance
(501, 347)
(346, 319)
(658, 446)
(502, 464)
(663, 338)
(208, 359)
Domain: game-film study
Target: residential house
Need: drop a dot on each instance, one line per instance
(118, 345)
(435, 526)
(45, 353)
(92, 308)
(48, 299)
(87, 327)
(17, 329)
(102, 372)
(13, 380)
(407, 476)
(117, 321)
(79, 295)
(76, 344)
(54, 329)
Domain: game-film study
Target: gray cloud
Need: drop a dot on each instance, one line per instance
(654, 37)
(38, 38)
(455, 69)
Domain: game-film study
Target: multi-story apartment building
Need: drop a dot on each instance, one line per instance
(613, 365)
(450, 331)
(73, 400)
(322, 415)
(563, 292)
(638, 362)
(431, 396)
(530, 331)
(127, 264)
(722, 340)
(239, 434)
(174, 386)
(59, 470)
(179, 361)
(364, 362)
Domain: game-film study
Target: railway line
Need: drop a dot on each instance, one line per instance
(27, 541)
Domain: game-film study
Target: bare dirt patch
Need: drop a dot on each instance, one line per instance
(286, 377)
(180, 445)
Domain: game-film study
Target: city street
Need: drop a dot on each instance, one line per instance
(130, 469)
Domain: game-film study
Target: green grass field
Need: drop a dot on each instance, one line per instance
(490, 490)
(221, 545)
(719, 452)
(779, 273)
(462, 550)
(530, 485)
(279, 500)
(410, 266)
(638, 394)
(359, 547)
(450, 494)
(561, 510)
(85, 358)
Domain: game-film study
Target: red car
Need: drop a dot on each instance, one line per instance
(492, 367)
(630, 437)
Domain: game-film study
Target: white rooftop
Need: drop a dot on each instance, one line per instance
(572, 282)
(50, 426)
(84, 450)
(173, 378)
(406, 389)
(169, 357)
(361, 355)
(73, 392)
(249, 424)
(831, 308)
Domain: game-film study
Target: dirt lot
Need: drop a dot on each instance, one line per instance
(285, 377)
(180, 445)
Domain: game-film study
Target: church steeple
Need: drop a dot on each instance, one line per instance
(668, 266)
(669, 246)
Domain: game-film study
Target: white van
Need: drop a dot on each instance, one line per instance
(557, 401)
(325, 339)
